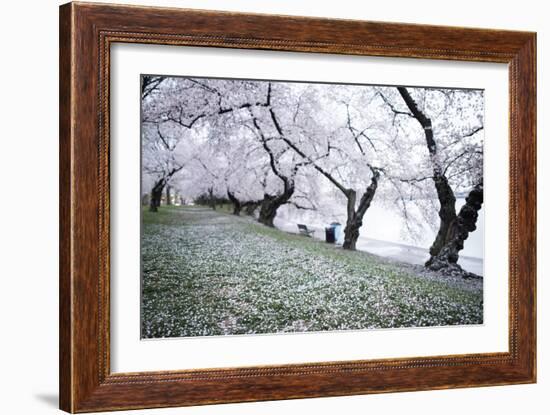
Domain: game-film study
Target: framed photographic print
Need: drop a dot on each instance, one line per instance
(260, 207)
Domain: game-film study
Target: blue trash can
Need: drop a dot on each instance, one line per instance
(338, 233)
(330, 237)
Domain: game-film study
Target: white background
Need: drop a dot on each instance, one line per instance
(28, 207)
(129, 354)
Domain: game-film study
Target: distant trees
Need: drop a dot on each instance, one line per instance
(180, 107)
(160, 157)
(263, 145)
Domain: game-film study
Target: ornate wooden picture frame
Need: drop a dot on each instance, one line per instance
(87, 32)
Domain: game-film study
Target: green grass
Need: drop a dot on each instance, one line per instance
(211, 273)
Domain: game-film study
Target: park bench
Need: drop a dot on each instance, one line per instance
(304, 230)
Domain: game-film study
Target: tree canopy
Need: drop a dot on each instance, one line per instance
(320, 147)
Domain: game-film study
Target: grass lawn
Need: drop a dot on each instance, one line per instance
(211, 273)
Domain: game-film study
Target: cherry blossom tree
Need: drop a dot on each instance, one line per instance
(334, 130)
(173, 107)
(263, 145)
(448, 124)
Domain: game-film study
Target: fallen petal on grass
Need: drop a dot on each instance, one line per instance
(208, 273)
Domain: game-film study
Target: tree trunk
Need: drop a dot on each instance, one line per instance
(237, 205)
(355, 217)
(445, 194)
(270, 205)
(156, 195)
(268, 210)
(351, 231)
(211, 199)
(458, 232)
(250, 207)
(447, 213)
(168, 196)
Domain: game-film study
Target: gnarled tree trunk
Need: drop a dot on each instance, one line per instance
(447, 214)
(156, 192)
(270, 204)
(458, 232)
(355, 217)
(156, 195)
(351, 231)
(250, 207)
(237, 205)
